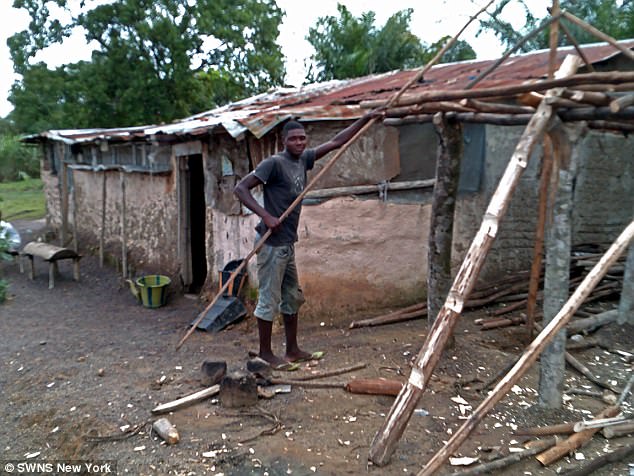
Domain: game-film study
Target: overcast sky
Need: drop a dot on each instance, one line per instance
(431, 20)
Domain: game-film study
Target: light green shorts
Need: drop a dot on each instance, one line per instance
(279, 290)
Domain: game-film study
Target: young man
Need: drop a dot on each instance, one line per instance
(283, 177)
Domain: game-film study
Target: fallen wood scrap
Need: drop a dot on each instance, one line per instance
(573, 442)
(391, 318)
(596, 463)
(605, 397)
(187, 400)
(486, 468)
(559, 429)
(582, 369)
(502, 322)
(305, 384)
(332, 373)
(374, 386)
(598, 423)
(592, 323)
(622, 429)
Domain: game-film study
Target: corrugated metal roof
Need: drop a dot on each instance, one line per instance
(339, 99)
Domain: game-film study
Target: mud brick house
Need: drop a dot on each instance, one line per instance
(159, 198)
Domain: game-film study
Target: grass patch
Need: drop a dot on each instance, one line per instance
(22, 200)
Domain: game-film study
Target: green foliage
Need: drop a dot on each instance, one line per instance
(22, 200)
(17, 160)
(156, 60)
(348, 47)
(615, 18)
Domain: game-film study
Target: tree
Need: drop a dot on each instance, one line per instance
(615, 18)
(348, 47)
(156, 60)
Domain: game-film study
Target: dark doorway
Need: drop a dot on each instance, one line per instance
(197, 217)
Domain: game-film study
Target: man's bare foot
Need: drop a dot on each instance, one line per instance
(298, 354)
(272, 359)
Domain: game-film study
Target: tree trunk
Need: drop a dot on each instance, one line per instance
(450, 149)
(556, 285)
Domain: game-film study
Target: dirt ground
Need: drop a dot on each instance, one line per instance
(84, 360)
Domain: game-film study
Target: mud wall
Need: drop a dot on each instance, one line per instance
(151, 210)
(356, 254)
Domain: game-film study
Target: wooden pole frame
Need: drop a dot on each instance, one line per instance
(384, 442)
(533, 350)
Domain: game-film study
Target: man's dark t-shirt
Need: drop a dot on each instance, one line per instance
(284, 178)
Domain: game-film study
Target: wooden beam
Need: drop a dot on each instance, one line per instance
(624, 101)
(360, 189)
(599, 34)
(553, 40)
(533, 350)
(510, 51)
(578, 48)
(385, 441)
(605, 78)
(496, 107)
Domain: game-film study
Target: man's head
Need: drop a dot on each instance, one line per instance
(294, 138)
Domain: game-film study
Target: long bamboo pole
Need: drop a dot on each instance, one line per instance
(418, 74)
(386, 438)
(534, 349)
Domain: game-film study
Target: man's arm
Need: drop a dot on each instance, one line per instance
(345, 135)
(243, 192)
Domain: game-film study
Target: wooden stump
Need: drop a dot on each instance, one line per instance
(238, 389)
(212, 372)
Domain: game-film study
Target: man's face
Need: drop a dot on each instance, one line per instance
(295, 141)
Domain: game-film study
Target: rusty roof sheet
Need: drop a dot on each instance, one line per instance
(338, 99)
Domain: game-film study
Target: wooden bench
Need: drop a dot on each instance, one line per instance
(52, 254)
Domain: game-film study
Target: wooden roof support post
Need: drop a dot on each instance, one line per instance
(102, 230)
(531, 353)
(385, 440)
(557, 273)
(538, 250)
(449, 156)
(554, 40)
(393, 100)
(124, 229)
